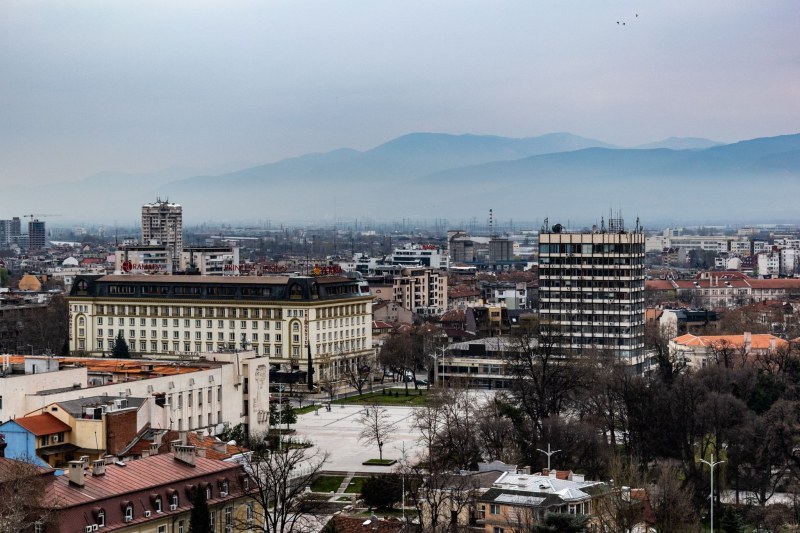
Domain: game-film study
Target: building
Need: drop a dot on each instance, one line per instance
(151, 494)
(9, 232)
(427, 255)
(162, 224)
(516, 502)
(421, 290)
(211, 261)
(201, 393)
(143, 259)
(728, 350)
(37, 236)
(297, 321)
(591, 289)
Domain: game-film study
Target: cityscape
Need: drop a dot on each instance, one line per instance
(408, 267)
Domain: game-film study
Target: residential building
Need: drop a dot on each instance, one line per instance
(9, 231)
(479, 363)
(591, 289)
(320, 324)
(37, 236)
(425, 255)
(725, 289)
(162, 224)
(151, 494)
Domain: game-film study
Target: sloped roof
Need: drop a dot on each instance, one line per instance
(44, 424)
(758, 341)
(154, 471)
(358, 524)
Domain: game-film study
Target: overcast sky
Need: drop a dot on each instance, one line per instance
(144, 85)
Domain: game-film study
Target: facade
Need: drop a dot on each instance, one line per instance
(145, 259)
(591, 289)
(295, 321)
(725, 289)
(421, 290)
(427, 255)
(37, 237)
(191, 394)
(162, 224)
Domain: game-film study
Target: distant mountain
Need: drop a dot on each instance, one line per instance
(432, 175)
(681, 143)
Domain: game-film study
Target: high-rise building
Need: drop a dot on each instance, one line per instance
(162, 224)
(37, 237)
(591, 289)
(9, 231)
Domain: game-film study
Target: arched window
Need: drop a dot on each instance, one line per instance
(208, 492)
(81, 321)
(128, 513)
(157, 504)
(174, 502)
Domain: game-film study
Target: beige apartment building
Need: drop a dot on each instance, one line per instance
(298, 322)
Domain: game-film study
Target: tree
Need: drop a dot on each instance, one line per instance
(120, 348)
(200, 518)
(22, 490)
(382, 491)
(377, 426)
(671, 500)
(562, 523)
(4, 277)
(357, 377)
(283, 414)
(277, 486)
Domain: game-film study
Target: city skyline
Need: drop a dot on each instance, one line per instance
(140, 87)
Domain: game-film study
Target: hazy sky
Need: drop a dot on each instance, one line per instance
(144, 85)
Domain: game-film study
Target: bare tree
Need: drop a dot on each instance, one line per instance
(23, 487)
(671, 500)
(377, 426)
(276, 485)
(358, 376)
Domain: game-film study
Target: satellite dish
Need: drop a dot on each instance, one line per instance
(557, 228)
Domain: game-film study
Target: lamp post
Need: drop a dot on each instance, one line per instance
(280, 417)
(548, 453)
(711, 464)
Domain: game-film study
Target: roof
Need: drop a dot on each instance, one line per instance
(214, 448)
(536, 489)
(142, 474)
(10, 468)
(44, 424)
(76, 407)
(758, 341)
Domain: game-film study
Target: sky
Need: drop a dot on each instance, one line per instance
(138, 86)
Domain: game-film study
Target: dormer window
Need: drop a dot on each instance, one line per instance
(208, 492)
(101, 519)
(174, 502)
(128, 513)
(157, 504)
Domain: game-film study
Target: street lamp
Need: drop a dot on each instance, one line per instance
(548, 453)
(280, 416)
(711, 465)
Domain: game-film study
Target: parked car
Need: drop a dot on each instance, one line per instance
(421, 382)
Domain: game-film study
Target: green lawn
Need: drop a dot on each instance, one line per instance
(355, 485)
(414, 397)
(306, 409)
(327, 483)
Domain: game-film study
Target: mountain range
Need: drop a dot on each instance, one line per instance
(439, 176)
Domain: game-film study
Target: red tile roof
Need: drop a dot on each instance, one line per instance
(44, 424)
(142, 474)
(357, 524)
(758, 341)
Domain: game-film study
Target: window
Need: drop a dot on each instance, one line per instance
(180, 526)
(38, 527)
(213, 520)
(157, 504)
(228, 516)
(208, 492)
(494, 509)
(174, 501)
(129, 513)
(162, 529)
(101, 519)
(250, 511)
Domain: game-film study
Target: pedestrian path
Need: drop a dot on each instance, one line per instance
(345, 483)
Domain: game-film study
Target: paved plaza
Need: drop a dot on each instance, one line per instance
(336, 431)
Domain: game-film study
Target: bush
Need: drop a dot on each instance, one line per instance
(383, 491)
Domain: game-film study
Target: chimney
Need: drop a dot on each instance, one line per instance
(76, 473)
(85, 461)
(98, 467)
(748, 340)
(184, 454)
(220, 447)
(201, 452)
(153, 449)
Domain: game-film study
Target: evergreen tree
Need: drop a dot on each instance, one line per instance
(382, 491)
(200, 519)
(120, 348)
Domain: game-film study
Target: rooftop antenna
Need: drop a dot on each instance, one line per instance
(491, 225)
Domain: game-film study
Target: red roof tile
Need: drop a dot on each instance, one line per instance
(44, 424)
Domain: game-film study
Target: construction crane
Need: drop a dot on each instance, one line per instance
(32, 215)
